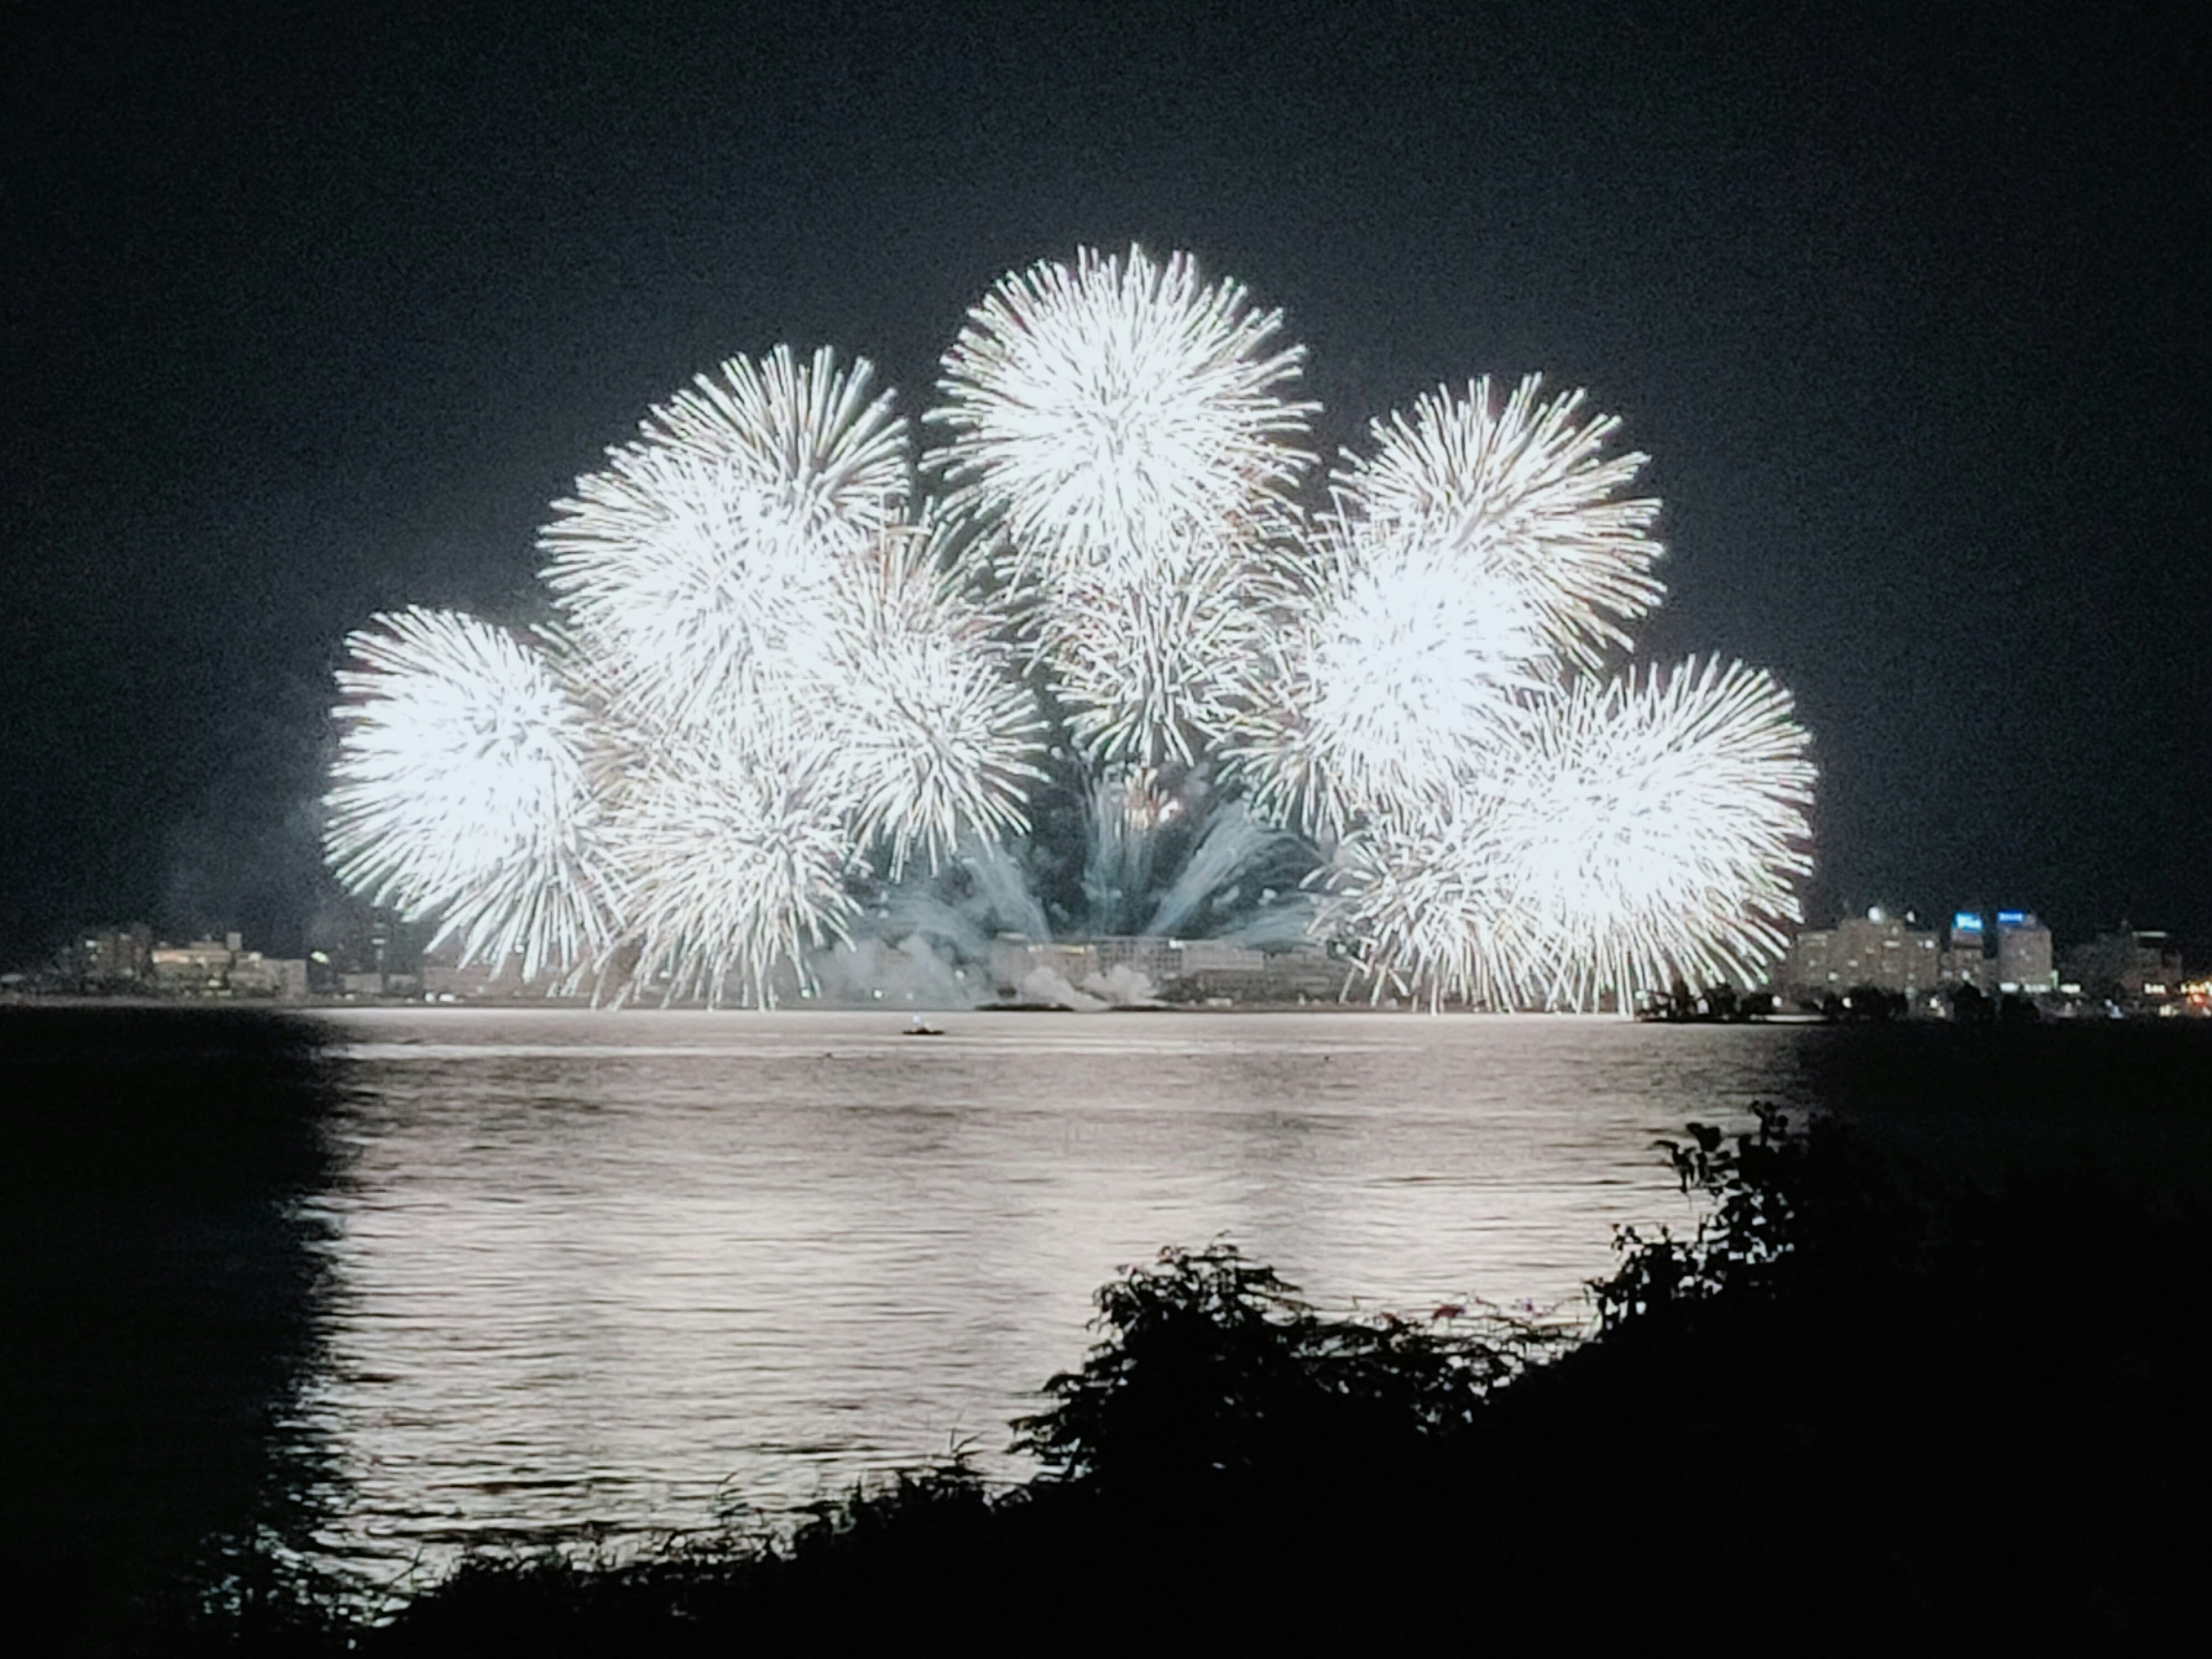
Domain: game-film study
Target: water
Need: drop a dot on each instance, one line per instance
(624, 1269)
(437, 1277)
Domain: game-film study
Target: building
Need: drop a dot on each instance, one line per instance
(1023, 969)
(1965, 962)
(444, 979)
(1159, 960)
(253, 974)
(1140, 968)
(110, 958)
(225, 967)
(1885, 951)
(2024, 955)
(197, 969)
(2127, 967)
(1214, 956)
(1214, 972)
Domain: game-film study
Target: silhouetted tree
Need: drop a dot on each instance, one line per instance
(1969, 1006)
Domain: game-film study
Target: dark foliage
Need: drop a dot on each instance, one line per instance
(1212, 1367)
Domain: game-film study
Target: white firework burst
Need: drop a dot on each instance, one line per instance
(776, 679)
(1522, 491)
(697, 565)
(1652, 828)
(927, 729)
(1157, 671)
(735, 874)
(1102, 414)
(461, 791)
(1397, 675)
(1425, 904)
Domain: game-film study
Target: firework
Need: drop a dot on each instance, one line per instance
(1647, 829)
(1121, 426)
(928, 736)
(1653, 826)
(1102, 414)
(779, 685)
(1232, 845)
(699, 564)
(1157, 672)
(738, 873)
(1397, 676)
(461, 791)
(1521, 492)
(1428, 903)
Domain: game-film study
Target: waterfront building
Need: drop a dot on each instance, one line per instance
(2128, 966)
(1158, 959)
(224, 967)
(1965, 962)
(2024, 955)
(1885, 951)
(1136, 967)
(1214, 956)
(197, 968)
(1216, 973)
(110, 957)
(1023, 968)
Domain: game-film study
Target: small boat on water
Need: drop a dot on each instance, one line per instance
(921, 1027)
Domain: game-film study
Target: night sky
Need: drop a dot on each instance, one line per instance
(311, 311)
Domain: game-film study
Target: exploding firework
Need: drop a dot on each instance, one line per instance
(1521, 492)
(740, 873)
(1652, 827)
(1646, 830)
(786, 702)
(1429, 906)
(926, 734)
(697, 568)
(1397, 676)
(1158, 672)
(1121, 426)
(460, 792)
(1103, 414)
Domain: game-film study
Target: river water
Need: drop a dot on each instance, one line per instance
(620, 1269)
(443, 1277)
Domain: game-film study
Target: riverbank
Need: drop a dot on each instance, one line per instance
(1871, 1402)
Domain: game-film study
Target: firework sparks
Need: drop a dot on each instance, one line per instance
(1157, 671)
(461, 791)
(700, 563)
(1397, 676)
(1104, 413)
(1653, 826)
(738, 874)
(1522, 491)
(1121, 426)
(1647, 829)
(779, 685)
(928, 735)
(1429, 909)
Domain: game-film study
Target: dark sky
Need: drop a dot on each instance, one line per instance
(310, 311)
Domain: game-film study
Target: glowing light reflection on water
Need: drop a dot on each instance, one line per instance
(617, 1269)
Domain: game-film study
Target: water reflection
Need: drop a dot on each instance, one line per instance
(385, 1282)
(592, 1269)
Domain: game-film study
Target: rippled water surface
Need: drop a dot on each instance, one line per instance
(623, 1269)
